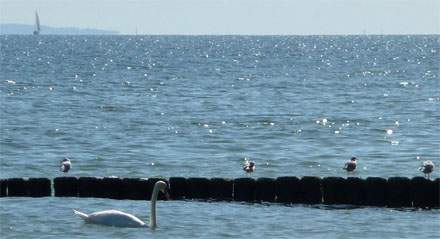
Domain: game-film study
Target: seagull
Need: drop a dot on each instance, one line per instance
(350, 165)
(249, 166)
(427, 168)
(65, 165)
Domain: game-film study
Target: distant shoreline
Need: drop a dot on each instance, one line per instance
(24, 29)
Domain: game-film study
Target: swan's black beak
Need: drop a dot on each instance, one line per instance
(167, 194)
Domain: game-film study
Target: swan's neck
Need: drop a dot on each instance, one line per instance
(153, 224)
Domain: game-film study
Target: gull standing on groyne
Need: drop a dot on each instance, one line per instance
(427, 168)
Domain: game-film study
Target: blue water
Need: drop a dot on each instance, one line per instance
(144, 106)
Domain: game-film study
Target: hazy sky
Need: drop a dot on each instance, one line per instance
(292, 17)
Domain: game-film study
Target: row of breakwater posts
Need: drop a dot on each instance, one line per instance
(394, 192)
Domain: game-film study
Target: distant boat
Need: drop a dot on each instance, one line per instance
(37, 24)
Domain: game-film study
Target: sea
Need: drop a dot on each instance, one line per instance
(198, 106)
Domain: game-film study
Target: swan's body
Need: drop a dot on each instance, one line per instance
(121, 219)
(112, 218)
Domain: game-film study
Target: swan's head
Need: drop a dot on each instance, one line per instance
(163, 187)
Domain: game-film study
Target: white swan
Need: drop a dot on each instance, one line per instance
(121, 219)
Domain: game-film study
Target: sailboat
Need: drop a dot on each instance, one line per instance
(37, 24)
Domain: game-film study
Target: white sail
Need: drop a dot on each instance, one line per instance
(37, 24)
(37, 21)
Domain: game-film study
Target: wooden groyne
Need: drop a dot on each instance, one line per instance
(415, 192)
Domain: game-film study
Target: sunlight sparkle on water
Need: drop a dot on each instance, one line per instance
(394, 142)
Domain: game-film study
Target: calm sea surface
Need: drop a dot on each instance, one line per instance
(145, 106)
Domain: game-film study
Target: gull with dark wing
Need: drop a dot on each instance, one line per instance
(427, 168)
(350, 165)
(249, 166)
(65, 165)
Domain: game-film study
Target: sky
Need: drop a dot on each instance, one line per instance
(243, 17)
